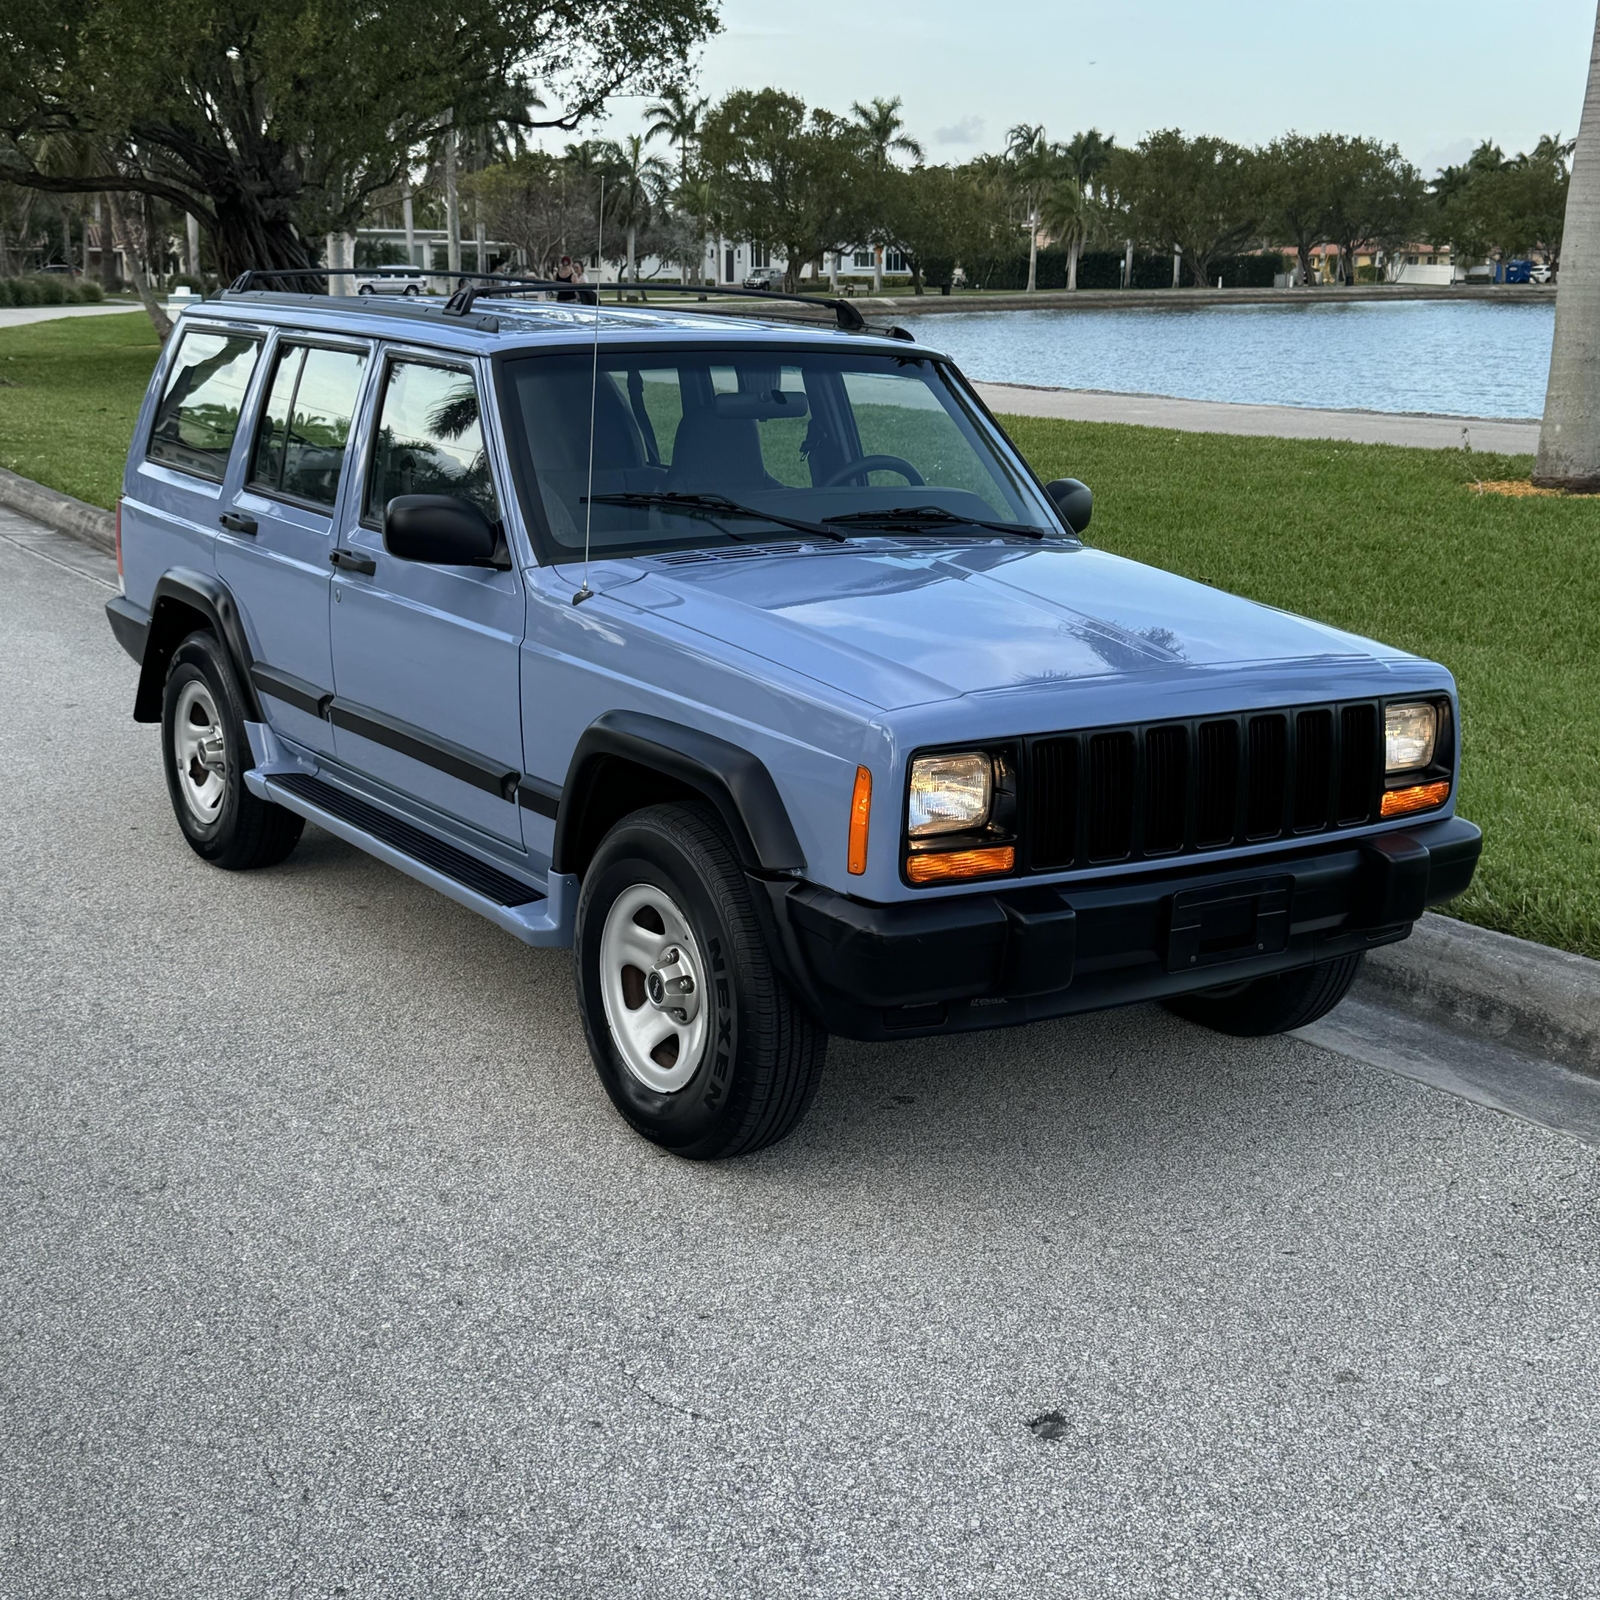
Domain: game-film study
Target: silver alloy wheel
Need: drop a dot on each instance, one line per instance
(198, 752)
(651, 981)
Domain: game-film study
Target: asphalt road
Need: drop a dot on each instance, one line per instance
(326, 1269)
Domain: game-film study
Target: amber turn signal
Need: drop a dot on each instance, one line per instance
(860, 822)
(1419, 797)
(950, 864)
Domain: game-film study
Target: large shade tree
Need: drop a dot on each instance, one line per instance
(272, 121)
(1569, 441)
(785, 176)
(1201, 196)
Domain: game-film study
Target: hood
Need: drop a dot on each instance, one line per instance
(894, 624)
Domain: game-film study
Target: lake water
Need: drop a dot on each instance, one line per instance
(1467, 359)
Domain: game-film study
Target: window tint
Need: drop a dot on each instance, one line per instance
(305, 424)
(199, 411)
(430, 439)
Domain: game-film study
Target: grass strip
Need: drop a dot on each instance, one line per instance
(1392, 543)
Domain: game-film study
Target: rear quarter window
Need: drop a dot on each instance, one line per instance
(197, 418)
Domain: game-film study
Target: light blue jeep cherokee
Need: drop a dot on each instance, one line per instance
(750, 660)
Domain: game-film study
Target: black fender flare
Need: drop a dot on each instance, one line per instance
(181, 590)
(736, 782)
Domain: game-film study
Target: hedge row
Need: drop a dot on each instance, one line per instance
(50, 289)
(1102, 269)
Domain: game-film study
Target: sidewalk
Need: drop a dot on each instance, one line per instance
(21, 316)
(1425, 432)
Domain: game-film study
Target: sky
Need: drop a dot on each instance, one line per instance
(1433, 76)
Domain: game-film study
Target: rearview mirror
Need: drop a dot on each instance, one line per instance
(1074, 500)
(442, 530)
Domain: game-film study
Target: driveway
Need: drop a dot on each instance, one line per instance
(327, 1270)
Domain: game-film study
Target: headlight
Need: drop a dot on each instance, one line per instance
(949, 794)
(1409, 735)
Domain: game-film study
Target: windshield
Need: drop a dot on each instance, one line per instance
(861, 443)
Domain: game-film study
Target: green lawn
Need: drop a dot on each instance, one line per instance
(1384, 541)
(69, 393)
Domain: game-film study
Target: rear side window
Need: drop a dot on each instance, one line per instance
(199, 411)
(305, 423)
(430, 439)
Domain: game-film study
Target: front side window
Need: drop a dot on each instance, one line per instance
(430, 439)
(863, 443)
(198, 415)
(305, 423)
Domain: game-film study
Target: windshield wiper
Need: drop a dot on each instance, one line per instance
(933, 516)
(711, 506)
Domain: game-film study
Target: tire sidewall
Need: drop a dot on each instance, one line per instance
(708, 1111)
(197, 658)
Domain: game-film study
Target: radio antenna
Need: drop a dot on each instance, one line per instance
(586, 593)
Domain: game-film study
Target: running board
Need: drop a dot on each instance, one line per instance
(524, 912)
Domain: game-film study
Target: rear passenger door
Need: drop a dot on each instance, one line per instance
(173, 495)
(425, 658)
(278, 532)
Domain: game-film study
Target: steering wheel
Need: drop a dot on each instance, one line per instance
(860, 469)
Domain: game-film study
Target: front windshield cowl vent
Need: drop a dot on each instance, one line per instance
(683, 558)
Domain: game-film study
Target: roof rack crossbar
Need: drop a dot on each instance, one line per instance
(460, 303)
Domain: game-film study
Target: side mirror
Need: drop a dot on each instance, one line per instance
(442, 530)
(1074, 500)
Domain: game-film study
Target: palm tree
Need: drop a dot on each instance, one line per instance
(882, 130)
(1035, 165)
(1071, 212)
(1569, 441)
(636, 190)
(676, 118)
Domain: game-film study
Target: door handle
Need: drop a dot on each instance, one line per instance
(238, 522)
(353, 561)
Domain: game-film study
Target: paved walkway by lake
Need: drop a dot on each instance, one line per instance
(1287, 422)
(19, 316)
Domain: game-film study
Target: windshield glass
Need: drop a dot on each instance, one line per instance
(827, 438)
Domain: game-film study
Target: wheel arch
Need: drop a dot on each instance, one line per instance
(183, 603)
(627, 759)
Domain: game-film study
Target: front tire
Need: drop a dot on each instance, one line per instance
(697, 1040)
(205, 752)
(1279, 1004)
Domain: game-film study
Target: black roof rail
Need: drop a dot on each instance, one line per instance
(460, 303)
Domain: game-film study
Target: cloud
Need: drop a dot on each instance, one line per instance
(969, 130)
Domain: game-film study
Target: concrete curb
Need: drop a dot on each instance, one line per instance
(59, 511)
(1541, 1001)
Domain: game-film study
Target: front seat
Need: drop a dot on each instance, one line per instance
(717, 455)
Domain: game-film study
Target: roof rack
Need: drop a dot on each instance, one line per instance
(460, 303)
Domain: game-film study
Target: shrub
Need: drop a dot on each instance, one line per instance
(89, 292)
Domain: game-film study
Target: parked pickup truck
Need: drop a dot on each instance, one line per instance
(750, 661)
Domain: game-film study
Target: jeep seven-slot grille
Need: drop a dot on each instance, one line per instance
(1131, 794)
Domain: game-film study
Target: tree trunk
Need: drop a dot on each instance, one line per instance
(877, 269)
(452, 203)
(1033, 249)
(631, 272)
(141, 281)
(408, 216)
(1072, 264)
(1303, 252)
(1177, 266)
(1569, 441)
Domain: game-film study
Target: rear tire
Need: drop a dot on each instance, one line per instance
(1278, 1004)
(697, 1040)
(205, 752)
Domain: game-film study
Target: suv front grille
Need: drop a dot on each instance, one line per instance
(1172, 788)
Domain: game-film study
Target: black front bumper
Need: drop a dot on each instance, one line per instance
(1022, 954)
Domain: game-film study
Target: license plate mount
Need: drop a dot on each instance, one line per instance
(1229, 922)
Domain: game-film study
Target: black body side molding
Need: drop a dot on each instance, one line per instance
(620, 763)
(180, 596)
